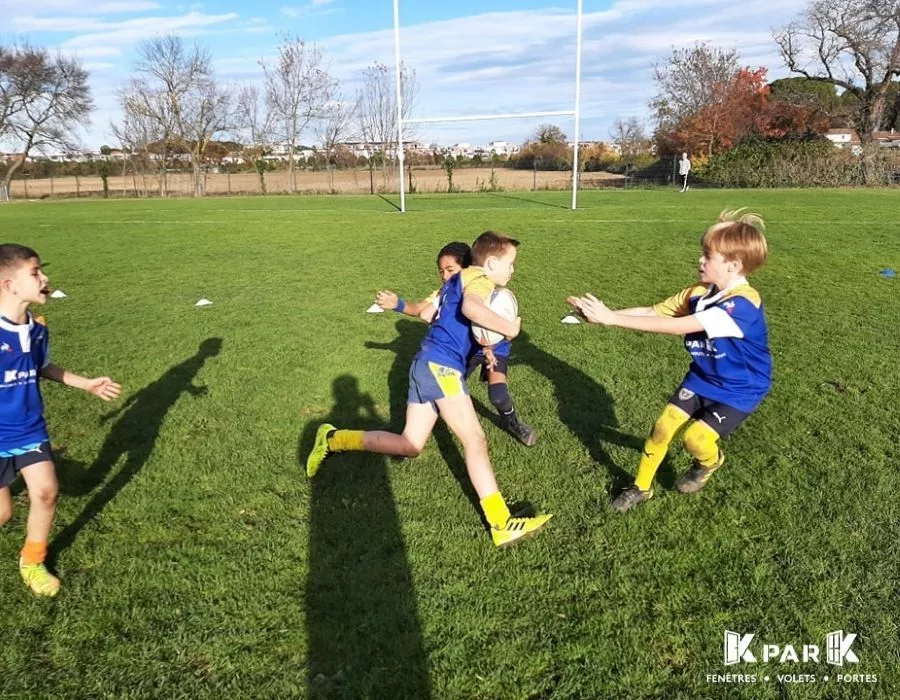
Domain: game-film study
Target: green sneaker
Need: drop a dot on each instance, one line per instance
(697, 476)
(38, 579)
(320, 449)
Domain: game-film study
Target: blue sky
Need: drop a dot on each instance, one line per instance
(490, 56)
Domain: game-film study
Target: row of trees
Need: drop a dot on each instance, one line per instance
(174, 99)
(173, 103)
(847, 53)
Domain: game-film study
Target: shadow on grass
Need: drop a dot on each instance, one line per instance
(585, 407)
(137, 426)
(530, 200)
(405, 346)
(394, 205)
(365, 637)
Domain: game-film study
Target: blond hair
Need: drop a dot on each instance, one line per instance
(738, 236)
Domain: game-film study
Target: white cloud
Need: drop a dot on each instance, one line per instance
(503, 62)
(493, 62)
(77, 7)
(316, 7)
(132, 31)
(97, 66)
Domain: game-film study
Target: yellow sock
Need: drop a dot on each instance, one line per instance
(34, 552)
(657, 444)
(346, 441)
(495, 510)
(702, 442)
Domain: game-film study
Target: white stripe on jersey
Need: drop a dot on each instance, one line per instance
(718, 324)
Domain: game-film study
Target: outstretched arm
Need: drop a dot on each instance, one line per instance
(638, 311)
(390, 301)
(595, 311)
(104, 387)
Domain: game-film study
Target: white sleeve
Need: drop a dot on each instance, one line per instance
(718, 324)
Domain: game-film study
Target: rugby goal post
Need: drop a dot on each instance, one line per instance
(576, 112)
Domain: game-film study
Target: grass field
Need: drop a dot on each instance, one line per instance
(198, 562)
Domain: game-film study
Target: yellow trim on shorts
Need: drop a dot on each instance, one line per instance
(448, 379)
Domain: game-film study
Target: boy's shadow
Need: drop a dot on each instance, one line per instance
(134, 434)
(365, 637)
(585, 407)
(405, 346)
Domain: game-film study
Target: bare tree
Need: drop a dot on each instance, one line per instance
(10, 103)
(254, 121)
(335, 126)
(175, 88)
(629, 136)
(146, 128)
(377, 107)
(43, 98)
(691, 79)
(853, 44)
(298, 88)
(137, 133)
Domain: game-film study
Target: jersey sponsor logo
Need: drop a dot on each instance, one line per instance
(12, 375)
(5, 348)
(729, 307)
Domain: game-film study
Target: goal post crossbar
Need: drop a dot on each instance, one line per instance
(576, 112)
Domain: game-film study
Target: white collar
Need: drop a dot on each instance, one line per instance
(8, 325)
(721, 292)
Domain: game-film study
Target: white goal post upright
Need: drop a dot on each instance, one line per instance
(484, 117)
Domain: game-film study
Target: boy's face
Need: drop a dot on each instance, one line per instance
(715, 269)
(447, 267)
(26, 281)
(500, 268)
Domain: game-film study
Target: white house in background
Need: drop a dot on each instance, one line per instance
(844, 138)
(502, 148)
(887, 139)
(466, 150)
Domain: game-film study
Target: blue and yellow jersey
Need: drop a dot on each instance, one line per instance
(501, 349)
(24, 352)
(730, 358)
(449, 340)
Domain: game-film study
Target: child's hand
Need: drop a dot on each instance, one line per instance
(387, 300)
(104, 387)
(518, 323)
(490, 359)
(594, 310)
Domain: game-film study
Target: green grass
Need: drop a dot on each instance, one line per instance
(198, 562)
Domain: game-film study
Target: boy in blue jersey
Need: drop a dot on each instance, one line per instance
(437, 386)
(724, 328)
(493, 361)
(24, 442)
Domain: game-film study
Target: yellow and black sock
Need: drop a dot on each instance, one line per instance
(703, 444)
(657, 444)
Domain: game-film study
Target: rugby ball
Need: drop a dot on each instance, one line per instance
(502, 302)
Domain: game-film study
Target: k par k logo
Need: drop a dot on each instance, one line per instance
(739, 649)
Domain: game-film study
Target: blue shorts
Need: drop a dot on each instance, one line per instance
(429, 381)
(14, 461)
(478, 360)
